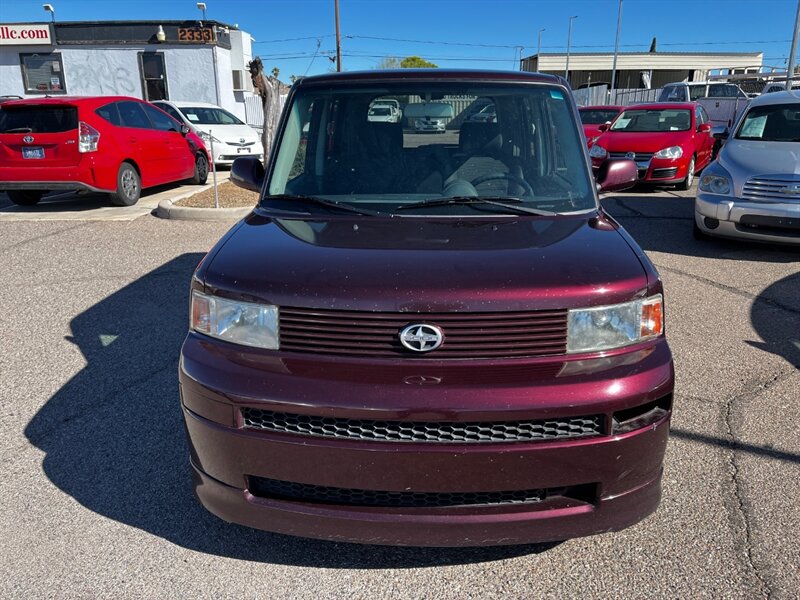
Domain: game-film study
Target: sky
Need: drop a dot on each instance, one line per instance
(297, 36)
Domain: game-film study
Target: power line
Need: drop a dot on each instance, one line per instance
(313, 37)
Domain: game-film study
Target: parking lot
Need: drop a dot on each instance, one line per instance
(96, 493)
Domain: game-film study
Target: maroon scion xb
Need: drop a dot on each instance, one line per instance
(428, 338)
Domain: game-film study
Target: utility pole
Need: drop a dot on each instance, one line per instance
(569, 43)
(338, 39)
(793, 51)
(616, 51)
(539, 49)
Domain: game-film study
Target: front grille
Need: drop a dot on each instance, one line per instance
(239, 144)
(318, 494)
(466, 335)
(665, 173)
(448, 432)
(641, 157)
(767, 189)
(782, 226)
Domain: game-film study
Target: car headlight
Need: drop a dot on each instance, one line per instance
(715, 184)
(237, 322)
(208, 138)
(608, 327)
(671, 152)
(598, 152)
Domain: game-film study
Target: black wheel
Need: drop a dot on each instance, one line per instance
(200, 169)
(129, 186)
(687, 183)
(25, 197)
(508, 176)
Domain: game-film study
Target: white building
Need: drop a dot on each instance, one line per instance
(203, 61)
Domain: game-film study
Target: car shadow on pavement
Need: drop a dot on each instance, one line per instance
(775, 315)
(664, 224)
(114, 440)
(77, 202)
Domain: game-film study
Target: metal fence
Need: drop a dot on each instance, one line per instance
(599, 96)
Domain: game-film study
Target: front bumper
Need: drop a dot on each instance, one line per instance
(772, 222)
(657, 170)
(595, 484)
(225, 154)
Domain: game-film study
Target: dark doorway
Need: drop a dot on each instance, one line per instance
(154, 76)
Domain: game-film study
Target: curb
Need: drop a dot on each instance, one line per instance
(167, 210)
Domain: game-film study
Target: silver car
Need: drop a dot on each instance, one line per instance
(752, 190)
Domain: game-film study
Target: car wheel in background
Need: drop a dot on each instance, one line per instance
(25, 197)
(129, 186)
(687, 183)
(200, 169)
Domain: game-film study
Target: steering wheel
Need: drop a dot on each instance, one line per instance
(507, 176)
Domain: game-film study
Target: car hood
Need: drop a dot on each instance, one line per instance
(642, 142)
(426, 265)
(745, 158)
(228, 133)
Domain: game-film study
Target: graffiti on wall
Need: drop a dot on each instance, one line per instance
(98, 75)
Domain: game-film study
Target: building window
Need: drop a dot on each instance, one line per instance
(43, 73)
(154, 76)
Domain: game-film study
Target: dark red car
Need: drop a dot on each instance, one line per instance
(439, 342)
(117, 145)
(670, 142)
(593, 117)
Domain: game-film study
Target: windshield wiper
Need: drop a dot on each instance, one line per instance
(504, 201)
(342, 206)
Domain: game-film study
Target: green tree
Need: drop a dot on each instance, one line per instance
(415, 62)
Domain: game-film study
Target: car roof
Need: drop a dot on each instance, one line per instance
(783, 97)
(89, 101)
(602, 107)
(184, 104)
(471, 75)
(663, 106)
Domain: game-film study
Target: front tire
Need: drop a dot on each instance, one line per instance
(25, 197)
(129, 186)
(687, 183)
(200, 169)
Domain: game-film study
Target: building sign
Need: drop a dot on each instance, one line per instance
(196, 34)
(17, 35)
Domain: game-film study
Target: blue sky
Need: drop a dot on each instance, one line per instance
(440, 30)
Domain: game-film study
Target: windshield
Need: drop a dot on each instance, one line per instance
(597, 116)
(771, 123)
(651, 120)
(204, 115)
(380, 111)
(532, 153)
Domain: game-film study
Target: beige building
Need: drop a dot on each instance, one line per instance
(643, 69)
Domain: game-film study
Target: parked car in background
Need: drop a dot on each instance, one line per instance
(670, 142)
(446, 344)
(691, 91)
(110, 144)
(486, 114)
(752, 190)
(232, 137)
(383, 114)
(429, 125)
(593, 117)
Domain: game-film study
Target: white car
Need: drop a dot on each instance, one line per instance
(752, 190)
(231, 137)
(428, 124)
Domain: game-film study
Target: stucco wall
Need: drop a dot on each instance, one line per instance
(104, 71)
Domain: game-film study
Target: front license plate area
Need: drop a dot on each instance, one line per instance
(33, 152)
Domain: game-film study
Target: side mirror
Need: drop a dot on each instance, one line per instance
(616, 175)
(247, 172)
(704, 128)
(603, 127)
(185, 129)
(720, 133)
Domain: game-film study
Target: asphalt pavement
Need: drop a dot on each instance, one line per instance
(95, 493)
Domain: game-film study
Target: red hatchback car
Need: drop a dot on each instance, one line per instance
(117, 145)
(670, 142)
(593, 117)
(446, 343)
